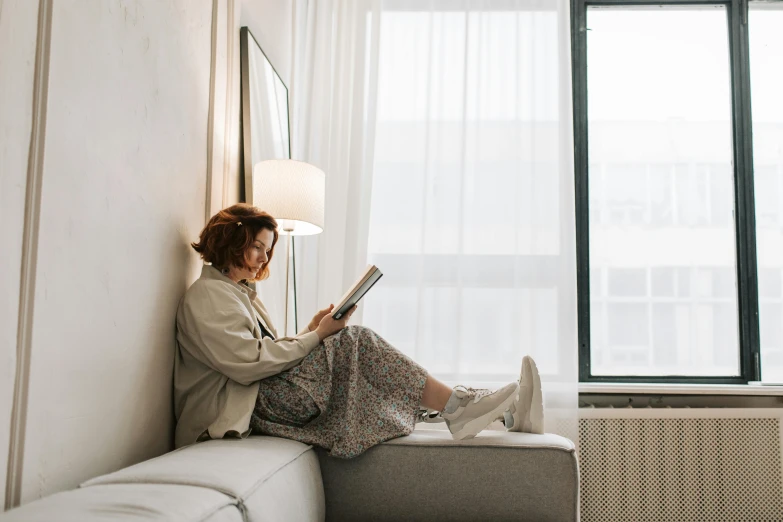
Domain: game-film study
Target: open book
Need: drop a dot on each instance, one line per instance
(357, 291)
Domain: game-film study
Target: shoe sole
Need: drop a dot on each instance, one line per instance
(537, 404)
(472, 428)
(521, 423)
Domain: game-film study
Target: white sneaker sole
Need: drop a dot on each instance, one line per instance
(473, 427)
(536, 414)
(528, 411)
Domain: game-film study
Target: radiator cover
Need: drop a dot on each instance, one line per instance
(680, 465)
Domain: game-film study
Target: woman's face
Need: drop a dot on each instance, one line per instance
(256, 256)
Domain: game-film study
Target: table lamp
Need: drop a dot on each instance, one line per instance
(293, 193)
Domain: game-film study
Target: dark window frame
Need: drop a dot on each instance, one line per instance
(744, 199)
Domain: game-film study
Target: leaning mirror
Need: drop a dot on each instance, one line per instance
(265, 128)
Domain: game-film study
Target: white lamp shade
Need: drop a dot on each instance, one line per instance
(293, 193)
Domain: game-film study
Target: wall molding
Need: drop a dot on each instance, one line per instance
(211, 113)
(232, 34)
(32, 214)
(220, 138)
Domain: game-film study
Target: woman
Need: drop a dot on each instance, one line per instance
(342, 388)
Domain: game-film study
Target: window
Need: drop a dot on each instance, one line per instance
(666, 169)
(765, 21)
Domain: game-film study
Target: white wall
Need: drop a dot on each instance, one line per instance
(123, 193)
(18, 27)
(271, 22)
(142, 126)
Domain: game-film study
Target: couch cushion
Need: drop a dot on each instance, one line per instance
(429, 476)
(134, 502)
(261, 473)
(506, 439)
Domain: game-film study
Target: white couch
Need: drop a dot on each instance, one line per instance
(425, 476)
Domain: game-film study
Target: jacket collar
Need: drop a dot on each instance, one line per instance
(210, 272)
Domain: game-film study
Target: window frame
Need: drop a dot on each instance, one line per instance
(744, 198)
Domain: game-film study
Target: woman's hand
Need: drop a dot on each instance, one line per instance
(319, 316)
(330, 326)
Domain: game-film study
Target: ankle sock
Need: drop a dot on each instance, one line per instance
(452, 404)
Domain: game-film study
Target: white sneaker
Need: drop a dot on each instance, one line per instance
(527, 410)
(477, 409)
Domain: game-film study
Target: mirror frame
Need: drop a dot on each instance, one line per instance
(245, 40)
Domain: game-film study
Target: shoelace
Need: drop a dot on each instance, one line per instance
(477, 393)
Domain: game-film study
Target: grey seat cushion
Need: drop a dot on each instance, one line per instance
(130, 502)
(428, 476)
(262, 474)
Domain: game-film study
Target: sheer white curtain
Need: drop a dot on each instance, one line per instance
(333, 92)
(444, 129)
(472, 207)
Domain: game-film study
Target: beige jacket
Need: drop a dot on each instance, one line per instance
(221, 357)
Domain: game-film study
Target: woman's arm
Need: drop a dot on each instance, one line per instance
(324, 325)
(217, 328)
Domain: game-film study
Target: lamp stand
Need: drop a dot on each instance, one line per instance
(288, 261)
(293, 262)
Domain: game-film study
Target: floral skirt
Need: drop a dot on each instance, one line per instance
(353, 391)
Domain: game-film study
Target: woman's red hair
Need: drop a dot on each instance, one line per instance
(229, 233)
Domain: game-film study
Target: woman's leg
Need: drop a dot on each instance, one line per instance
(435, 394)
(465, 410)
(526, 412)
(362, 390)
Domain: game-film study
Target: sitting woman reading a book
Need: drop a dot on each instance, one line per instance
(343, 388)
